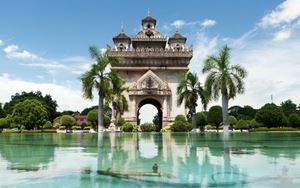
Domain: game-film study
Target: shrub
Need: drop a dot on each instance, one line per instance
(62, 127)
(201, 120)
(87, 128)
(180, 117)
(166, 128)
(56, 122)
(4, 123)
(209, 127)
(147, 127)
(294, 120)
(121, 121)
(181, 126)
(127, 127)
(270, 115)
(47, 125)
(76, 127)
(67, 121)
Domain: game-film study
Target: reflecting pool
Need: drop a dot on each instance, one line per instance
(126, 160)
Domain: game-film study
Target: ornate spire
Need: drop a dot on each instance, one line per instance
(149, 13)
(122, 27)
(177, 28)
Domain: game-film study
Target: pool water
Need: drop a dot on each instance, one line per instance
(126, 160)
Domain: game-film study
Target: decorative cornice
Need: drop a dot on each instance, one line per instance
(152, 52)
(128, 68)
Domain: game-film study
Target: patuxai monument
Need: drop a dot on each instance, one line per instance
(151, 65)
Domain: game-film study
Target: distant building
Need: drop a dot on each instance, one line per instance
(80, 119)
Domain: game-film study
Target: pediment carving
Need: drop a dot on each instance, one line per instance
(149, 84)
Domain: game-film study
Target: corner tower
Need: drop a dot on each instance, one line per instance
(151, 66)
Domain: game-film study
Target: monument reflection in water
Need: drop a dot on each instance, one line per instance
(191, 160)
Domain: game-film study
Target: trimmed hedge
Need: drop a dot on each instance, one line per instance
(265, 129)
(75, 127)
(31, 131)
(49, 130)
(11, 131)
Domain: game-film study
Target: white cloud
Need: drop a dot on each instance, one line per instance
(13, 52)
(1, 43)
(67, 98)
(282, 35)
(76, 59)
(50, 65)
(286, 12)
(182, 23)
(208, 23)
(178, 23)
(203, 46)
(272, 70)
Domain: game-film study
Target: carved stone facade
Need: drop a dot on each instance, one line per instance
(151, 66)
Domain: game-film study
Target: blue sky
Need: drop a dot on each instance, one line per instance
(43, 44)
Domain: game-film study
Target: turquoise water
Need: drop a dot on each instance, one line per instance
(185, 160)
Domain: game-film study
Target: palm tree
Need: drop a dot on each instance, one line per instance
(119, 101)
(188, 91)
(100, 79)
(223, 78)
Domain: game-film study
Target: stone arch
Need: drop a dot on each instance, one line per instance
(156, 103)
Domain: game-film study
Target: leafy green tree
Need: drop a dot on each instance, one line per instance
(46, 101)
(201, 120)
(30, 113)
(67, 121)
(67, 112)
(2, 113)
(85, 111)
(247, 113)
(214, 116)
(270, 115)
(101, 80)
(223, 78)
(254, 124)
(294, 120)
(235, 111)
(188, 91)
(4, 123)
(242, 124)
(288, 107)
(47, 125)
(232, 121)
(92, 117)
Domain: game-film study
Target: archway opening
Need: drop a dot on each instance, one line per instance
(148, 109)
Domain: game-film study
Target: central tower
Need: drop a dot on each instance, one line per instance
(151, 66)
